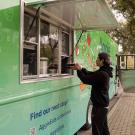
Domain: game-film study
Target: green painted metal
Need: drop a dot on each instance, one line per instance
(5, 4)
(44, 107)
(44, 114)
(128, 79)
(90, 45)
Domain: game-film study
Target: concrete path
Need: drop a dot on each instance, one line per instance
(121, 118)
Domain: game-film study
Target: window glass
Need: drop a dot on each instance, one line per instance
(127, 62)
(46, 48)
(30, 46)
(122, 62)
(122, 58)
(29, 59)
(130, 62)
(65, 44)
(30, 28)
(65, 57)
(49, 50)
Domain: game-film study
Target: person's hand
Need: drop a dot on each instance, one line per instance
(77, 66)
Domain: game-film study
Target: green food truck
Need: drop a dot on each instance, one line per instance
(39, 95)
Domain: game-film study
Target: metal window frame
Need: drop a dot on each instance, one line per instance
(36, 78)
(126, 62)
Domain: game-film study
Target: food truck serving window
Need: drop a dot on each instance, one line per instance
(47, 33)
(46, 46)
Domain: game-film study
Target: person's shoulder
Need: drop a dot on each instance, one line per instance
(102, 73)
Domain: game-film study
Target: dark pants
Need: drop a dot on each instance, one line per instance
(99, 121)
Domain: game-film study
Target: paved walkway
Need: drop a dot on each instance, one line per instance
(121, 118)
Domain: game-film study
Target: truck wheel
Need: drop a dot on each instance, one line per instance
(87, 125)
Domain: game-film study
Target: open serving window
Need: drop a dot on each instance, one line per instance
(47, 28)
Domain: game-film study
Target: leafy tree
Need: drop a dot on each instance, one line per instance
(125, 35)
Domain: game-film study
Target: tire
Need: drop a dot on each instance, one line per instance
(75, 133)
(87, 125)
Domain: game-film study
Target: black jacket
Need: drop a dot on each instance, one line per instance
(100, 84)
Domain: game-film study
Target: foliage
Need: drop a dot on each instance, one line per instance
(125, 35)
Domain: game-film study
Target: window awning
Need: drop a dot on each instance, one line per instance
(78, 14)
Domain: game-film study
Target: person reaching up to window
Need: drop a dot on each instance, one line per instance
(99, 94)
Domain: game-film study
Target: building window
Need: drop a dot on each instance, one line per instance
(127, 62)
